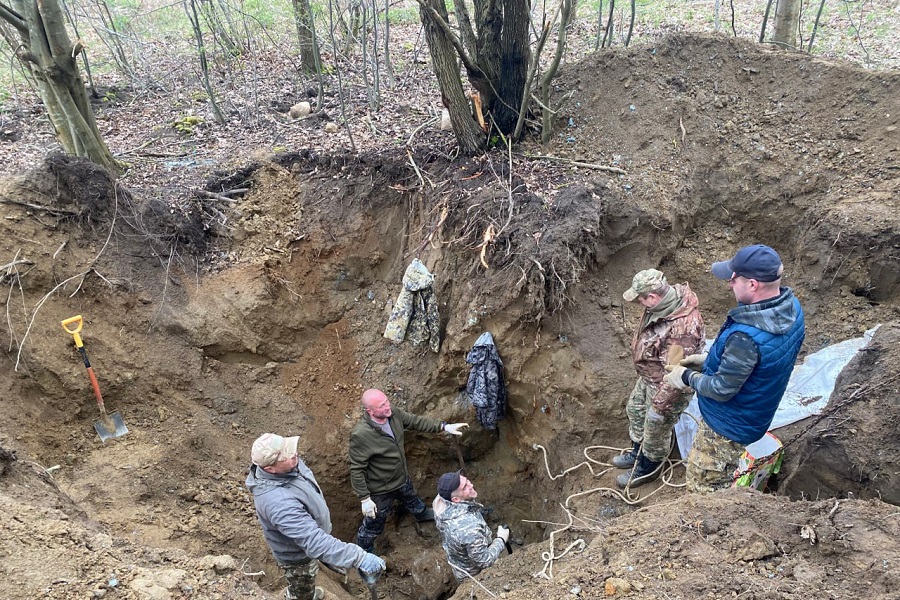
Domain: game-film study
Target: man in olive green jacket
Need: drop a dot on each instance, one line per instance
(378, 471)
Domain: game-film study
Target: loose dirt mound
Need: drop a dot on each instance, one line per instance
(850, 452)
(279, 327)
(732, 544)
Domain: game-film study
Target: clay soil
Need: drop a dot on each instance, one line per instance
(208, 327)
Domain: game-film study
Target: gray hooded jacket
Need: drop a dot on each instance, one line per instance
(295, 520)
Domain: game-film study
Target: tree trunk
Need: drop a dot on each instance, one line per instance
(784, 30)
(514, 59)
(446, 68)
(193, 16)
(49, 55)
(309, 49)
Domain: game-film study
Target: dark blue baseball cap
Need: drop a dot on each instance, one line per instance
(757, 262)
(447, 484)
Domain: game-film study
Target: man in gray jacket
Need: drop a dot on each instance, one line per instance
(465, 535)
(295, 520)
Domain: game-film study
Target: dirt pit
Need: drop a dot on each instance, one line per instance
(205, 333)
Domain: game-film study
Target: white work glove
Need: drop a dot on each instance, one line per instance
(455, 428)
(694, 361)
(371, 564)
(673, 377)
(368, 508)
(503, 533)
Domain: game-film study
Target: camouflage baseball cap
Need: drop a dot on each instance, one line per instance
(269, 448)
(645, 281)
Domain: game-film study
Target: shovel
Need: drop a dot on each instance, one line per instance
(108, 426)
(370, 579)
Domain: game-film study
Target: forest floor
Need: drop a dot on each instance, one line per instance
(213, 315)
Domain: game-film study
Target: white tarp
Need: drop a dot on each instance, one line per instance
(807, 394)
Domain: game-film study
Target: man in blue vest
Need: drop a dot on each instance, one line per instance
(745, 372)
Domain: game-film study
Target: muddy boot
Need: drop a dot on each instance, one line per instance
(425, 515)
(644, 471)
(626, 461)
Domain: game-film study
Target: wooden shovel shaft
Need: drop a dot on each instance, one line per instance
(462, 464)
(94, 383)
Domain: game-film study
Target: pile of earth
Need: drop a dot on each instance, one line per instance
(722, 143)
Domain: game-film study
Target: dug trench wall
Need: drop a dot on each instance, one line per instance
(276, 325)
(286, 332)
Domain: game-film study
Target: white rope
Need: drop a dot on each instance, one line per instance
(548, 557)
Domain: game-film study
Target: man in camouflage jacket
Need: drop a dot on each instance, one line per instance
(465, 535)
(671, 327)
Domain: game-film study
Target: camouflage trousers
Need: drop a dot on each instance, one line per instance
(712, 461)
(648, 427)
(301, 579)
(370, 529)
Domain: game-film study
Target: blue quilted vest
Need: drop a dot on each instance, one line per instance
(747, 415)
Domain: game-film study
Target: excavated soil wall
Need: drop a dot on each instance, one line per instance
(280, 327)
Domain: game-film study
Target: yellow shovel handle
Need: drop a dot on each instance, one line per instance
(74, 332)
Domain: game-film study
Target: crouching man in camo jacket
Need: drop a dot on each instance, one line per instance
(465, 536)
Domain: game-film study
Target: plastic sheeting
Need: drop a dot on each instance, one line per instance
(807, 394)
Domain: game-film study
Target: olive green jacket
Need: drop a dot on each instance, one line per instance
(377, 462)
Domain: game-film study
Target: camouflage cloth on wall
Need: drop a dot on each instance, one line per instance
(415, 315)
(712, 461)
(486, 389)
(301, 579)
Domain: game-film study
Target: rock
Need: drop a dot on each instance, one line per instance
(432, 575)
(156, 585)
(615, 586)
(300, 110)
(331, 127)
(757, 548)
(445, 121)
(221, 564)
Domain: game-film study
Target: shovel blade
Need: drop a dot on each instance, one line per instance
(111, 427)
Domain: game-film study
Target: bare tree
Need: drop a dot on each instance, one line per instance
(112, 37)
(787, 18)
(190, 7)
(566, 8)
(306, 36)
(48, 54)
(497, 69)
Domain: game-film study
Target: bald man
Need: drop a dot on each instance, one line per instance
(378, 471)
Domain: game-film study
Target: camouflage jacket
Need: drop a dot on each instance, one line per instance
(650, 348)
(415, 315)
(466, 538)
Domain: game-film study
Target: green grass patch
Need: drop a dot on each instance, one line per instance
(403, 15)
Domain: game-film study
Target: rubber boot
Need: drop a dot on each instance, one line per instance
(425, 515)
(626, 461)
(645, 471)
